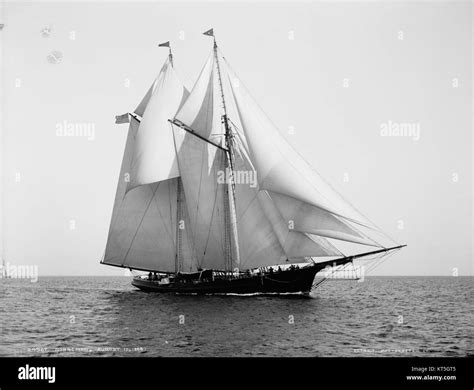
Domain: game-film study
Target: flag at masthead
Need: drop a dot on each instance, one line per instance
(167, 44)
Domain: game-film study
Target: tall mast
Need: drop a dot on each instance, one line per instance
(230, 217)
(178, 266)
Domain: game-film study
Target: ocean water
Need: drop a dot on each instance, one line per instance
(106, 316)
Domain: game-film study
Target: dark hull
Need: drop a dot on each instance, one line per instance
(288, 281)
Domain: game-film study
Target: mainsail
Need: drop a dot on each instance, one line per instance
(199, 163)
(214, 185)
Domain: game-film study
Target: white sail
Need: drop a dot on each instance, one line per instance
(197, 112)
(142, 236)
(203, 109)
(140, 110)
(258, 243)
(295, 244)
(280, 168)
(154, 157)
(303, 217)
(142, 233)
(199, 164)
(263, 239)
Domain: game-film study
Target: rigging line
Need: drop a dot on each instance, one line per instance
(317, 284)
(171, 203)
(382, 260)
(161, 216)
(242, 214)
(248, 206)
(191, 231)
(383, 254)
(131, 134)
(327, 278)
(210, 105)
(377, 259)
(140, 224)
(356, 229)
(195, 219)
(198, 199)
(185, 75)
(333, 271)
(374, 261)
(192, 241)
(119, 215)
(211, 223)
(229, 216)
(189, 243)
(323, 242)
(224, 234)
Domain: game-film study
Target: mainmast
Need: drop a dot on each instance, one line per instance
(230, 217)
(179, 198)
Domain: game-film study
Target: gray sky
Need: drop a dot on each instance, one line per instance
(400, 61)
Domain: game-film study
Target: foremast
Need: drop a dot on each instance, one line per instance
(231, 238)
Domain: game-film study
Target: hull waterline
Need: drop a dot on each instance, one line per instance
(298, 280)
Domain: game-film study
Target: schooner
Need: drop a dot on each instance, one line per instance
(188, 213)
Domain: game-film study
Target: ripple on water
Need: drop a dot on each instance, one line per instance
(340, 319)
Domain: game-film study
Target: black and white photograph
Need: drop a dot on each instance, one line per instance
(252, 191)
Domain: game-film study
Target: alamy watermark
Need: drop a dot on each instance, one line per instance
(239, 177)
(12, 271)
(76, 129)
(400, 129)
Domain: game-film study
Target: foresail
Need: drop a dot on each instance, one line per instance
(199, 165)
(295, 244)
(124, 174)
(141, 234)
(306, 218)
(154, 157)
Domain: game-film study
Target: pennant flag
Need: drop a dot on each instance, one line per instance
(122, 119)
(166, 44)
(209, 32)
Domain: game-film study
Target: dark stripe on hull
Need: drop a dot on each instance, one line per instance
(299, 280)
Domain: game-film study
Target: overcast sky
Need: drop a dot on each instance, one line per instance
(403, 64)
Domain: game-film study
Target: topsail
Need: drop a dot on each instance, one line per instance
(154, 157)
